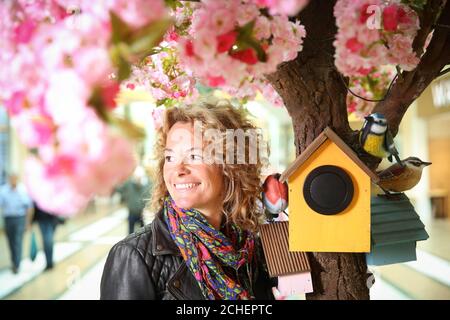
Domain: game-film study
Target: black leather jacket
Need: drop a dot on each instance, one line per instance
(147, 265)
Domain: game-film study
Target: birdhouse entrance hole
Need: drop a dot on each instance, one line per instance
(328, 190)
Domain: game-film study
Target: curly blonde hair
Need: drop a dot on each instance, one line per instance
(242, 203)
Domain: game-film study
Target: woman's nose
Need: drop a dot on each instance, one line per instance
(181, 169)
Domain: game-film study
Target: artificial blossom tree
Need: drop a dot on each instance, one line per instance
(63, 63)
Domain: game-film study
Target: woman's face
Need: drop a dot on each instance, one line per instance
(191, 182)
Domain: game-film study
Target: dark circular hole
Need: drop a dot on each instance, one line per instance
(328, 190)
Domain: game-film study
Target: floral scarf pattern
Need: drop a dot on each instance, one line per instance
(206, 251)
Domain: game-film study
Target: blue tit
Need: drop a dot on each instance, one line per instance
(376, 139)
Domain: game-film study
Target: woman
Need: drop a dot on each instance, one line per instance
(202, 243)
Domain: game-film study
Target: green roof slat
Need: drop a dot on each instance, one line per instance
(395, 237)
(397, 216)
(386, 208)
(397, 226)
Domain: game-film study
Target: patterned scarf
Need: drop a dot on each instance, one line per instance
(207, 251)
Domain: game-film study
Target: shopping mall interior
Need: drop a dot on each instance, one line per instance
(83, 241)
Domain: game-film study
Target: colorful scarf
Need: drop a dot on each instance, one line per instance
(207, 251)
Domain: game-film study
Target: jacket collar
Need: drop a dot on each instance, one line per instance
(162, 242)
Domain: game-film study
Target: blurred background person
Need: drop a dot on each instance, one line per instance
(16, 207)
(47, 224)
(133, 194)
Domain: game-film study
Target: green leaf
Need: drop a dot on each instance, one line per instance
(124, 70)
(142, 42)
(96, 102)
(173, 4)
(246, 40)
(416, 5)
(247, 30)
(120, 30)
(128, 128)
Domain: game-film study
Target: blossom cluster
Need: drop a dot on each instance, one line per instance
(374, 33)
(226, 44)
(58, 85)
(233, 42)
(161, 75)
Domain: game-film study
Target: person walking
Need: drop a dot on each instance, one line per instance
(133, 193)
(16, 207)
(47, 224)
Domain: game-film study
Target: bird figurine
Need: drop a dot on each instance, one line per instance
(376, 138)
(274, 195)
(399, 178)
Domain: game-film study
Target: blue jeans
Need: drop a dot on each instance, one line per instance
(132, 220)
(48, 227)
(15, 229)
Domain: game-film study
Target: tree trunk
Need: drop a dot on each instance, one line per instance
(314, 94)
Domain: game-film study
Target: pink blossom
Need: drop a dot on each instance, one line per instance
(354, 45)
(247, 56)
(90, 160)
(215, 81)
(284, 7)
(391, 15)
(189, 48)
(138, 13)
(33, 128)
(361, 49)
(43, 188)
(66, 97)
(210, 53)
(109, 92)
(158, 117)
(24, 31)
(226, 41)
(16, 103)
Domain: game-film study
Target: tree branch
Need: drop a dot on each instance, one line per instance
(443, 72)
(427, 19)
(413, 83)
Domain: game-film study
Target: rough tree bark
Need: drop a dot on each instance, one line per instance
(410, 85)
(314, 94)
(315, 97)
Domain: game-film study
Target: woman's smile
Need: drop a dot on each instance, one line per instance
(186, 186)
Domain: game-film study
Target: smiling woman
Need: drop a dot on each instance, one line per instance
(203, 241)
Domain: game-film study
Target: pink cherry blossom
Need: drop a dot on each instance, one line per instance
(158, 117)
(360, 50)
(138, 13)
(214, 57)
(55, 59)
(283, 7)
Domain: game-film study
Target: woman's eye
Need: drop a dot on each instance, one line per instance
(195, 157)
(168, 158)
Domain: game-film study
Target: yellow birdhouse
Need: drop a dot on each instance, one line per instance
(329, 198)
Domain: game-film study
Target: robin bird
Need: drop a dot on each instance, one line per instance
(399, 178)
(376, 139)
(275, 195)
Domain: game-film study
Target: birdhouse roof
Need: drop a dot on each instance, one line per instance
(394, 221)
(280, 261)
(328, 133)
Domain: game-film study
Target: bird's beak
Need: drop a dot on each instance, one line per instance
(426, 163)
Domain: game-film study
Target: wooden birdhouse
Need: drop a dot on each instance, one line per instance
(396, 227)
(329, 198)
(291, 268)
